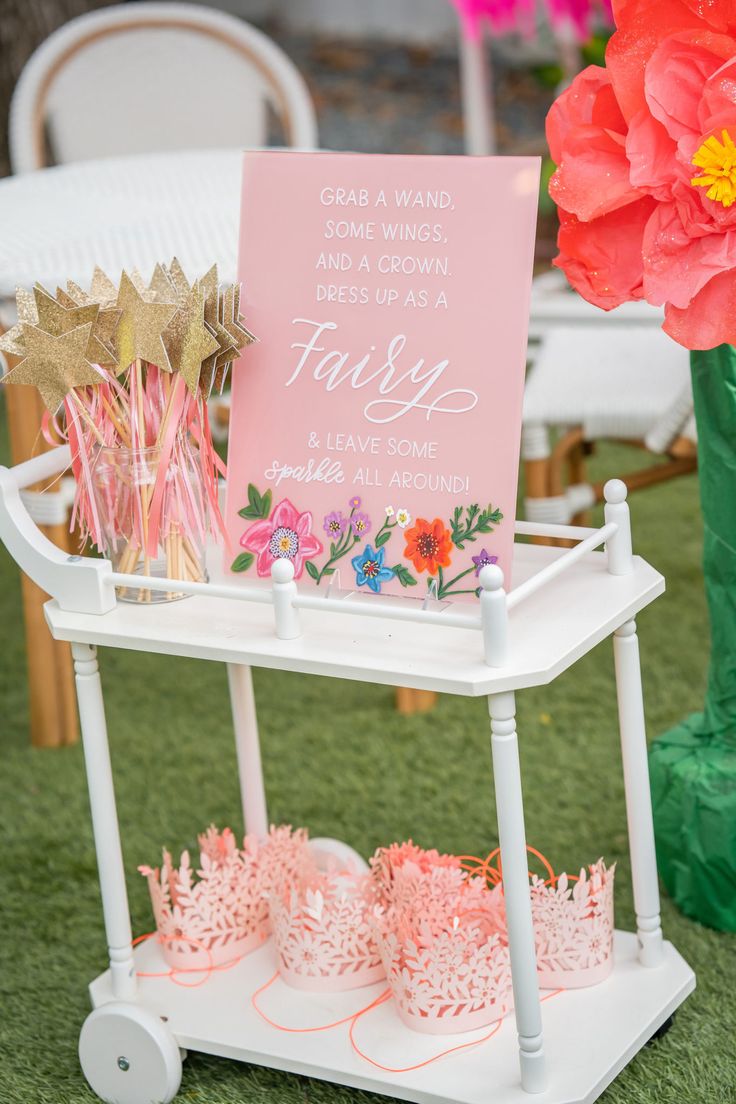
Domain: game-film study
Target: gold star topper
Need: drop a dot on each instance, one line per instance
(12, 340)
(55, 364)
(56, 319)
(188, 339)
(139, 332)
(194, 329)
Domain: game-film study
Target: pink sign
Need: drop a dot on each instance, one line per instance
(374, 434)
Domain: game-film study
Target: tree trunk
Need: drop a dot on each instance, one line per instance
(693, 767)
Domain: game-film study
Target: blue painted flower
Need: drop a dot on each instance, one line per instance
(369, 569)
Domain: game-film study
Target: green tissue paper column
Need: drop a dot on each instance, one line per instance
(693, 766)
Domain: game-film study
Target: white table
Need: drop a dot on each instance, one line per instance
(561, 604)
(125, 212)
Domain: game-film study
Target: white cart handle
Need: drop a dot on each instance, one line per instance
(76, 582)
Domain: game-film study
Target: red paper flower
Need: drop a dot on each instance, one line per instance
(646, 177)
(286, 534)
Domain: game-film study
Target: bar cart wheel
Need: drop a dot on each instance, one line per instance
(129, 1056)
(663, 1029)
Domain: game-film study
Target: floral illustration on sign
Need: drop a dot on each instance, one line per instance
(483, 559)
(284, 534)
(430, 546)
(370, 570)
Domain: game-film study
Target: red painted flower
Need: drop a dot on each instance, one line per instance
(646, 177)
(286, 534)
(428, 545)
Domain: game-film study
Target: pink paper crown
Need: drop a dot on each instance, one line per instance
(573, 927)
(573, 921)
(212, 915)
(438, 933)
(323, 932)
(387, 860)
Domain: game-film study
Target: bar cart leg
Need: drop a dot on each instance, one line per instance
(104, 821)
(638, 795)
(247, 746)
(512, 838)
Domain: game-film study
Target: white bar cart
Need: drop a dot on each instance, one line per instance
(563, 602)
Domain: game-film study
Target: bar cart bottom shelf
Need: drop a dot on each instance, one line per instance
(589, 1034)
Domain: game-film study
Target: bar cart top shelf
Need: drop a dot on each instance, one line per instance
(546, 634)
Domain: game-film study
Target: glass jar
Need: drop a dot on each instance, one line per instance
(148, 527)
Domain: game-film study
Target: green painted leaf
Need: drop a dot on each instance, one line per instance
(242, 562)
(404, 576)
(381, 539)
(312, 570)
(259, 506)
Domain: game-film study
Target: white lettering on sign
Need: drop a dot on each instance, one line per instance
(415, 387)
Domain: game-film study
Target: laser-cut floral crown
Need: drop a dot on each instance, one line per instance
(220, 911)
(438, 933)
(441, 929)
(572, 917)
(323, 932)
(573, 927)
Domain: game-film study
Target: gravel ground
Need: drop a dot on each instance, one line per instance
(377, 97)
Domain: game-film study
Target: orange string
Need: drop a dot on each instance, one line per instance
(207, 970)
(383, 996)
(494, 874)
(436, 1057)
(427, 1061)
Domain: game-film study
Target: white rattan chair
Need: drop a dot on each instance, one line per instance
(152, 77)
(590, 382)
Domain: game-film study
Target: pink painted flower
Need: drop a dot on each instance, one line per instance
(286, 534)
(646, 176)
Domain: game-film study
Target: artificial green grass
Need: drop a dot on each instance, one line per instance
(339, 759)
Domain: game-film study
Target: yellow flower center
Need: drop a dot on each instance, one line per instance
(718, 163)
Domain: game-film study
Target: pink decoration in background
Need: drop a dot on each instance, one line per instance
(629, 141)
(502, 16)
(219, 912)
(323, 934)
(506, 16)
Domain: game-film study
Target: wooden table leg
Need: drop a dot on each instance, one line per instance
(52, 701)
